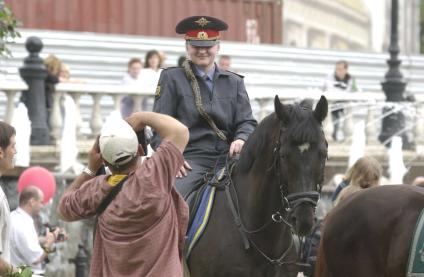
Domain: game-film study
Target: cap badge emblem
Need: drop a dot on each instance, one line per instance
(202, 35)
(202, 22)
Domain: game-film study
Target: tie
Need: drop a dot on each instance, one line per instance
(208, 81)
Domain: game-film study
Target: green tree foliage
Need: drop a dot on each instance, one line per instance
(24, 271)
(8, 32)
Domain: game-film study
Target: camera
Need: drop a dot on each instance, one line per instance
(144, 136)
(60, 236)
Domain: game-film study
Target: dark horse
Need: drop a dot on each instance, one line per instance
(370, 233)
(273, 190)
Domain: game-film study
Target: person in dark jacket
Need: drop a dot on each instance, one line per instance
(340, 80)
(211, 102)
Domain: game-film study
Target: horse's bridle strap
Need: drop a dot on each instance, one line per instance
(236, 217)
(308, 197)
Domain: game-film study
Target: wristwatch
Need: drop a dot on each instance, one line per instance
(48, 250)
(89, 172)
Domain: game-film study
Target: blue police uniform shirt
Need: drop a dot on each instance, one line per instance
(207, 77)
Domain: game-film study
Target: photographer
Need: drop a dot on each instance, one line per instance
(141, 219)
(25, 246)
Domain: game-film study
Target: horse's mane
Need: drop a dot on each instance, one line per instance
(302, 127)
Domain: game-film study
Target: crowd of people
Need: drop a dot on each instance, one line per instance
(20, 242)
(141, 73)
(144, 74)
(201, 115)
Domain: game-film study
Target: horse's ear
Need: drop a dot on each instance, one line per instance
(280, 110)
(321, 109)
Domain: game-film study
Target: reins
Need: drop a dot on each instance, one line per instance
(288, 203)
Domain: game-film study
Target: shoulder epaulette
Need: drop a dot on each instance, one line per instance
(241, 76)
(170, 67)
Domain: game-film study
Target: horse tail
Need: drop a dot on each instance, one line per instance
(321, 269)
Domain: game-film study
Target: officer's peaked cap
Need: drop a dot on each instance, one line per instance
(201, 30)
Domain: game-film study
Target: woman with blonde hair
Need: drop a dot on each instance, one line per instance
(365, 173)
(53, 64)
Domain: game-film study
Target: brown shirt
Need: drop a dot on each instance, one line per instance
(142, 231)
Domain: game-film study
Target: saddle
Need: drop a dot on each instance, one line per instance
(194, 197)
(200, 201)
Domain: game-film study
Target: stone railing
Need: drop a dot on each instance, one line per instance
(97, 100)
(102, 58)
(94, 102)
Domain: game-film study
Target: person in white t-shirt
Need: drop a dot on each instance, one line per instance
(131, 78)
(149, 77)
(7, 153)
(25, 248)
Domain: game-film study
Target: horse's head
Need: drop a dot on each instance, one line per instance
(302, 153)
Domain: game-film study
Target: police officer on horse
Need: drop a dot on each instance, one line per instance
(211, 102)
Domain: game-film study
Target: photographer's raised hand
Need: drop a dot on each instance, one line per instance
(94, 157)
(94, 163)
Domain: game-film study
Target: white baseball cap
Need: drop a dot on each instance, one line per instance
(118, 142)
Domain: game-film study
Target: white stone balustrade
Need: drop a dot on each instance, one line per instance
(357, 106)
(11, 89)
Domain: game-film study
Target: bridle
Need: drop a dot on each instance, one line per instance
(289, 201)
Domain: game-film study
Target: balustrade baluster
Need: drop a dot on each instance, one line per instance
(10, 105)
(419, 124)
(370, 125)
(117, 101)
(348, 123)
(328, 125)
(55, 119)
(261, 114)
(78, 118)
(138, 99)
(96, 118)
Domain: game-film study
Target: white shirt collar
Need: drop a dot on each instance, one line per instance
(23, 213)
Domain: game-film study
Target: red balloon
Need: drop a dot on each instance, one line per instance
(39, 177)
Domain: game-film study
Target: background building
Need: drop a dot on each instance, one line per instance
(350, 24)
(327, 24)
(409, 26)
(249, 20)
(323, 24)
